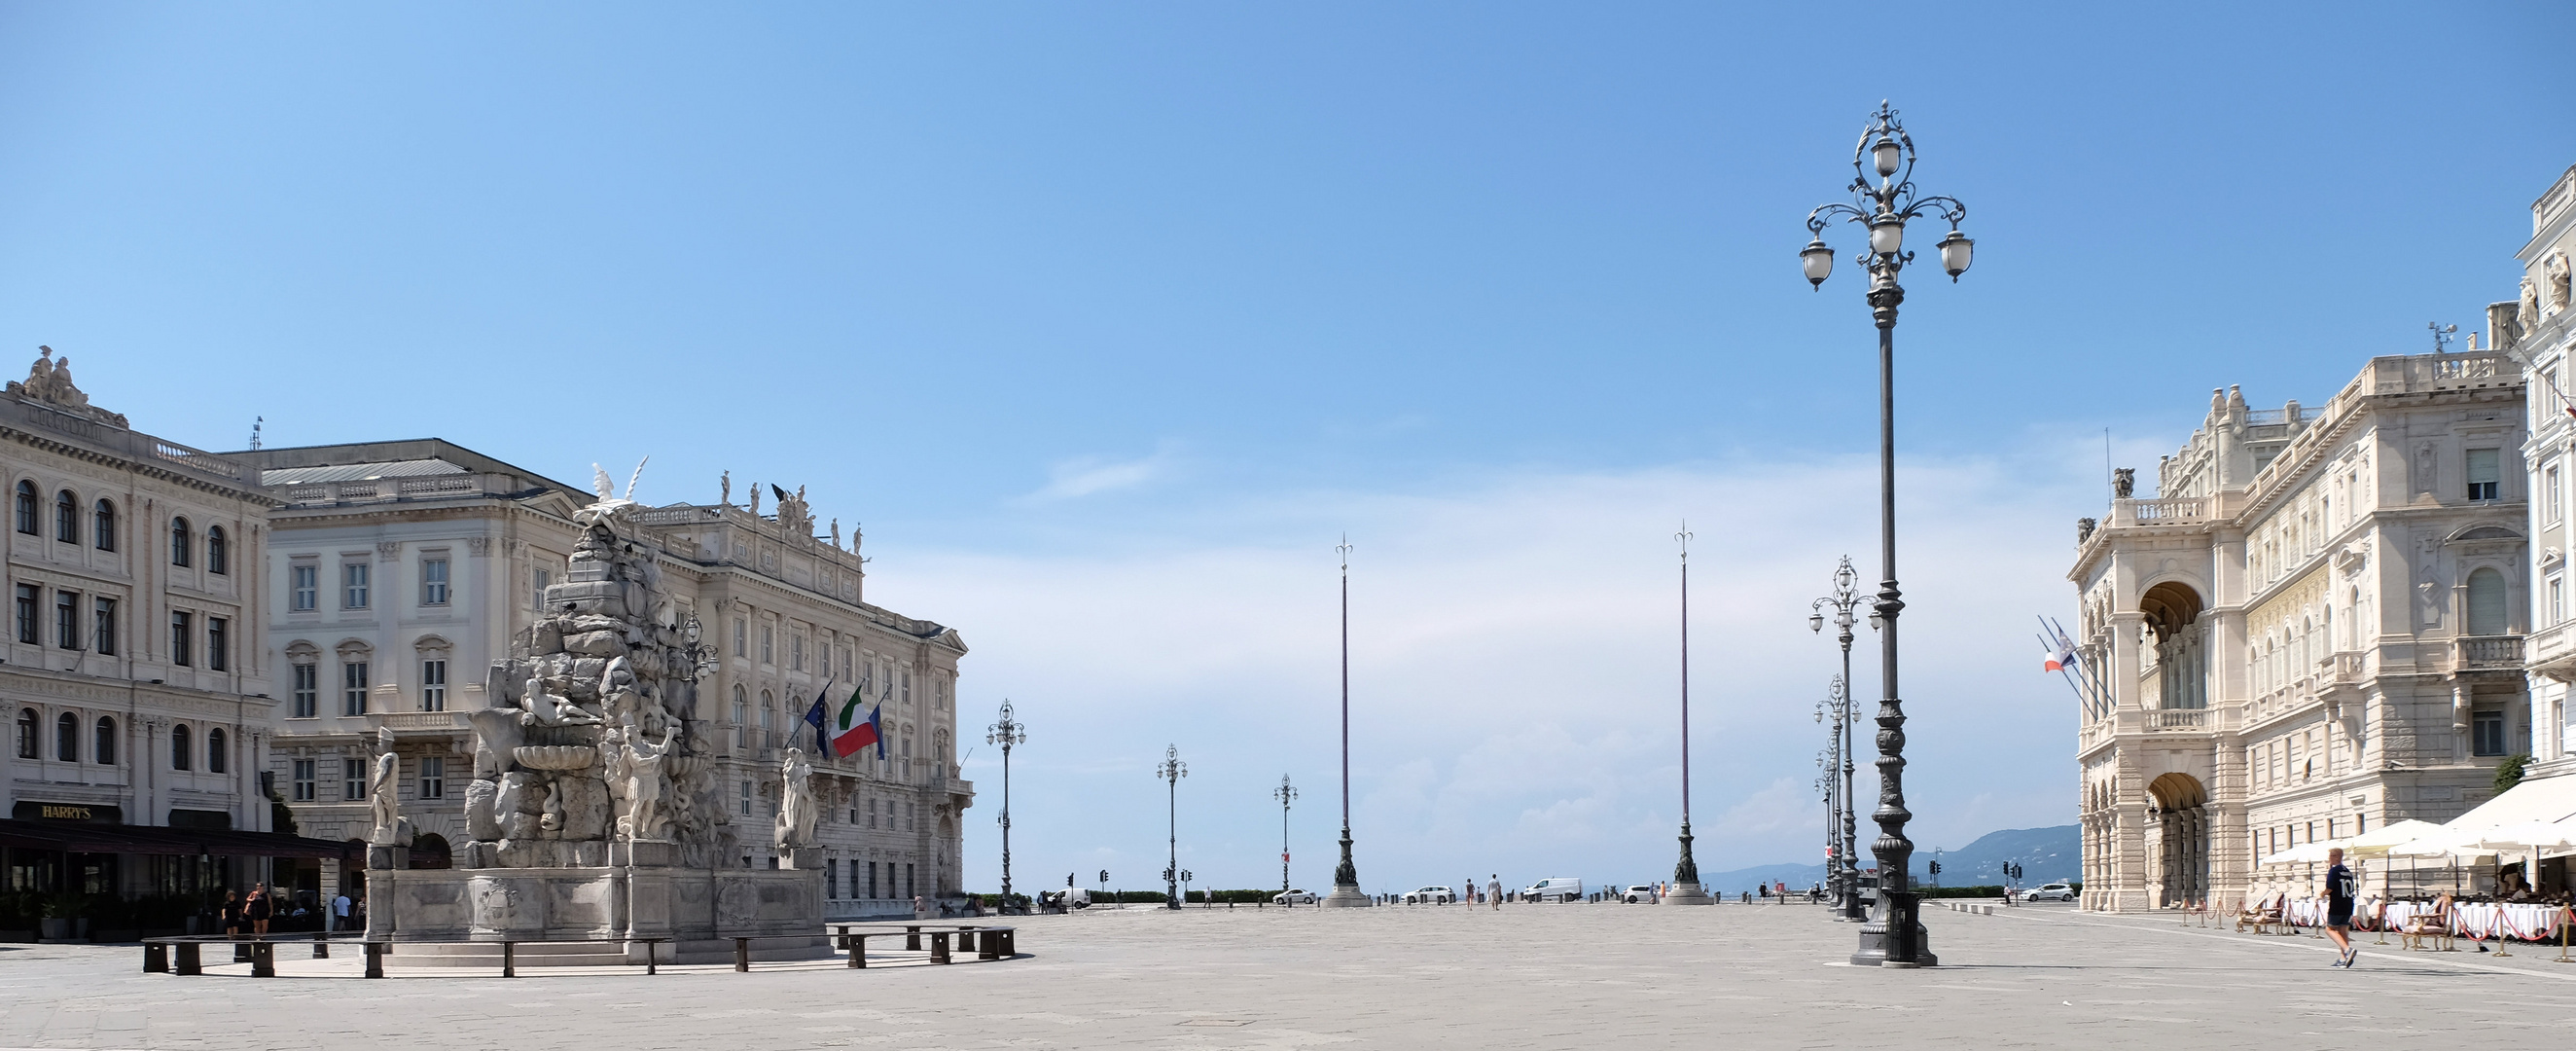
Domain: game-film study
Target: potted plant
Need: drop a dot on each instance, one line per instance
(60, 911)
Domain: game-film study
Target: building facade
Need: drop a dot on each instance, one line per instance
(2315, 628)
(401, 571)
(135, 676)
(2538, 330)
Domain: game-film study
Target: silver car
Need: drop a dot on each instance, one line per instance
(2050, 892)
(1638, 894)
(1293, 897)
(1430, 896)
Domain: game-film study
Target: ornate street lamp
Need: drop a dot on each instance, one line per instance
(1346, 876)
(1686, 888)
(1836, 800)
(1884, 209)
(1846, 859)
(1171, 772)
(1007, 732)
(1286, 793)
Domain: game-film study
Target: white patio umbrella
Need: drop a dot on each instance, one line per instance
(2308, 853)
(2532, 839)
(2376, 843)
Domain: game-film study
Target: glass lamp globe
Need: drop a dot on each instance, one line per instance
(1886, 155)
(1886, 234)
(1818, 261)
(1955, 250)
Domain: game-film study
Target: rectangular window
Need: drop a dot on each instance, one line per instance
(2487, 732)
(796, 652)
(768, 644)
(103, 626)
(907, 878)
(872, 813)
(353, 586)
(308, 691)
(353, 688)
(219, 644)
(305, 583)
(740, 628)
(353, 779)
(433, 686)
(2557, 598)
(433, 777)
(2549, 485)
(304, 780)
(2485, 471)
(831, 877)
(182, 632)
(746, 799)
(433, 582)
(544, 580)
(67, 633)
(27, 599)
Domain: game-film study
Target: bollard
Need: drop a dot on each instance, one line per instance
(988, 947)
(509, 959)
(156, 958)
(321, 947)
(1011, 942)
(188, 960)
(650, 966)
(241, 951)
(375, 959)
(912, 938)
(939, 947)
(742, 954)
(263, 960)
(858, 950)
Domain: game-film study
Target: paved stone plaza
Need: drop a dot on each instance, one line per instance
(1529, 976)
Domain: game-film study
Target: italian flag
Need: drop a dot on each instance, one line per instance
(850, 731)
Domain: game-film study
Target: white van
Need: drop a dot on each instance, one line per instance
(1557, 888)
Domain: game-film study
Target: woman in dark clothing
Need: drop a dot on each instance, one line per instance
(232, 912)
(258, 908)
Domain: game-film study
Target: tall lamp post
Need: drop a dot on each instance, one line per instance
(1007, 732)
(1837, 801)
(1847, 594)
(1171, 772)
(1286, 793)
(1686, 887)
(1884, 209)
(1346, 876)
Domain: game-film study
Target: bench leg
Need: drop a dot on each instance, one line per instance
(321, 948)
(375, 959)
(912, 939)
(509, 959)
(188, 960)
(939, 947)
(263, 960)
(156, 958)
(858, 951)
(650, 952)
(742, 954)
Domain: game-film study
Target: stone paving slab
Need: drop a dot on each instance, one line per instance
(1526, 976)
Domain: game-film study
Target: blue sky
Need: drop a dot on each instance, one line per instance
(1107, 320)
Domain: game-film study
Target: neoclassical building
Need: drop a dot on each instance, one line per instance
(134, 672)
(2538, 330)
(400, 571)
(2314, 628)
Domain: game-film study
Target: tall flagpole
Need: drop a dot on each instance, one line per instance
(1346, 876)
(1686, 889)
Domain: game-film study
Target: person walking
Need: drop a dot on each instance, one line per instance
(2341, 889)
(1494, 890)
(340, 911)
(232, 913)
(258, 908)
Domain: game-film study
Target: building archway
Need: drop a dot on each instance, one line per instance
(2172, 612)
(2179, 816)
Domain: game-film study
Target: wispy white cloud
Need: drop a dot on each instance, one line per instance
(1092, 475)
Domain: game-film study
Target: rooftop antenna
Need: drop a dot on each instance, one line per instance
(255, 422)
(2442, 336)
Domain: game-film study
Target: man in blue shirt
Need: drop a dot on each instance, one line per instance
(2341, 889)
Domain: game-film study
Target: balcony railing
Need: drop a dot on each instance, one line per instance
(419, 722)
(2351, 667)
(2174, 511)
(2489, 652)
(2178, 719)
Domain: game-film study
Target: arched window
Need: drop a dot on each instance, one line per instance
(27, 728)
(741, 717)
(215, 751)
(105, 748)
(67, 517)
(27, 508)
(179, 751)
(67, 738)
(180, 541)
(102, 526)
(767, 704)
(2486, 603)
(218, 557)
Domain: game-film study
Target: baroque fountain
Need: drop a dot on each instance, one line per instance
(593, 814)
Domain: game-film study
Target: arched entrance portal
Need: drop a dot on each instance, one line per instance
(2181, 659)
(2179, 817)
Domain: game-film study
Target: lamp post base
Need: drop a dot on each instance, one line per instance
(1687, 894)
(1873, 943)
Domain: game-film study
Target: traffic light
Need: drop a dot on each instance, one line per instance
(1936, 868)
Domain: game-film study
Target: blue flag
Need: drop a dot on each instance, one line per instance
(816, 715)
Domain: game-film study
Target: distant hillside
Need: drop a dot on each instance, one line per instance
(2044, 854)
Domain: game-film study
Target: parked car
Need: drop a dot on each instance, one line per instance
(1293, 897)
(1430, 896)
(2050, 892)
(1638, 894)
(1554, 888)
(1060, 900)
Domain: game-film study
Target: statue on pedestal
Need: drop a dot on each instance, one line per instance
(796, 811)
